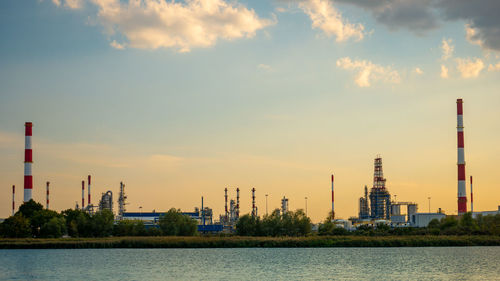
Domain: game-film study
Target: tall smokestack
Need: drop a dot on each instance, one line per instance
(237, 203)
(471, 197)
(225, 198)
(88, 190)
(47, 207)
(253, 202)
(13, 199)
(462, 196)
(333, 201)
(28, 162)
(83, 194)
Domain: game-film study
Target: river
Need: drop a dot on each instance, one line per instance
(440, 263)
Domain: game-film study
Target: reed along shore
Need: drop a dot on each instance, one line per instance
(249, 242)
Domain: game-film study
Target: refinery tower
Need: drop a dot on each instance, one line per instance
(379, 198)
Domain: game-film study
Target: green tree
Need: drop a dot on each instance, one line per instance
(301, 224)
(28, 209)
(16, 226)
(40, 218)
(174, 222)
(77, 223)
(246, 225)
(129, 228)
(102, 223)
(468, 224)
(54, 228)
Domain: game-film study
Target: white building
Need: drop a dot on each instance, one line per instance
(423, 219)
(486, 213)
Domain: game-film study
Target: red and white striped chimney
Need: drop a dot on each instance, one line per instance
(28, 162)
(88, 191)
(13, 199)
(48, 195)
(333, 202)
(83, 194)
(462, 196)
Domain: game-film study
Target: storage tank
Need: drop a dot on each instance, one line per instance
(412, 209)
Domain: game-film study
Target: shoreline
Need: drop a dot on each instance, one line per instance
(249, 242)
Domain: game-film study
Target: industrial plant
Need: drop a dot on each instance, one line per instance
(375, 206)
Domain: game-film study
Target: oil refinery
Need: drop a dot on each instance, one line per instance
(375, 206)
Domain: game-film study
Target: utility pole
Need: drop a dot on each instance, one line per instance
(266, 205)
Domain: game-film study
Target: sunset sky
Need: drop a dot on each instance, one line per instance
(180, 99)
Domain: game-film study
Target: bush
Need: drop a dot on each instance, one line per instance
(54, 228)
(129, 228)
(102, 223)
(289, 224)
(77, 223)
(174, 222)
(16, 226)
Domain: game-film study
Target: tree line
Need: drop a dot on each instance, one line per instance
(32, 220)
(277, 224)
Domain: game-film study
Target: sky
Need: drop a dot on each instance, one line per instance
(181, 99)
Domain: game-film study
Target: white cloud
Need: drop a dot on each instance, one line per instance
(419, 71)
(471, 35)
(327, 18)
(495, 67)
(117, 45)
(72, 4)
(152, 24)
(444, 72)
(469, 68)
(448, 48)
(367, 72)
(264, 67)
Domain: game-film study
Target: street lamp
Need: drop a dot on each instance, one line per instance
(429, 204)
(140, 211)
(306, 206)
(266, 205)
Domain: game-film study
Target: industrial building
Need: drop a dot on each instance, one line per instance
(375, 206)
(379, 199)
(423, 219)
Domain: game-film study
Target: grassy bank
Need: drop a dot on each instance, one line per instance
(243, 242)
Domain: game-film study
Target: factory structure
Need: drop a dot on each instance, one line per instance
(375, 206)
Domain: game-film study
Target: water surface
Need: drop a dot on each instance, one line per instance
(443, 263)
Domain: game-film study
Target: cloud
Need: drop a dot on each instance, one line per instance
(419, 71)
(469, 68)
(326, 17)
(153, 24)
(264, 67)
(72, 4)
(163, 160)
(482, 17)
(117, 45)
(367, 72)
(448, 48)
(471, 35)
(415, 15)
(444, 72)
(495, 67)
